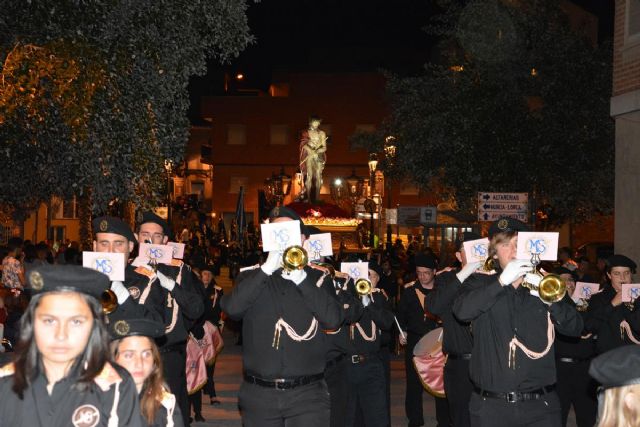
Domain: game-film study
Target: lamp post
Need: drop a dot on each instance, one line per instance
(370, 204)
(168, 166)
(389, 156)
(355, 186)
(277, 187)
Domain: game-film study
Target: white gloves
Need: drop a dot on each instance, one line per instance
(165, 281)
(514, 270)
(122, 293)
(366, 300)
(296, 276)
(467, 270)
(273, 262)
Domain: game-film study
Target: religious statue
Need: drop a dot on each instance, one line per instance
(313, 148)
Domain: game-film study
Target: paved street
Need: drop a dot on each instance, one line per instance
(228, 376)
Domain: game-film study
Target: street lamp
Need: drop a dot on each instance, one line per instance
(389, 157)
(355, 186)
(277, 187)
(168, 166)
(373, 164)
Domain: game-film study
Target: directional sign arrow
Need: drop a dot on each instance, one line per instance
(486, 197)
(486, 216)
(486, 206)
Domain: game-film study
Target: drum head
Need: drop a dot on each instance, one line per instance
(430, 344)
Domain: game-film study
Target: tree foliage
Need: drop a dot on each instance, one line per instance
(93, 93)
(520, 102)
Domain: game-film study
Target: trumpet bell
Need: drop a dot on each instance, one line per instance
(109, 301)
(550, 289)
(363, 287)
(489, 265)
(295, 258)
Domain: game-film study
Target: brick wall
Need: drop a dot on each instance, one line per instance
(626, 64)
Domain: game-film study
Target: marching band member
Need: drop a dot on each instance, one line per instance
(133, 347)
(573, 355)
(284, 350)
(61, 374)
(457, 340)
(618, 371)
(136, 296)
(614, 323)
(365, 371)
(416, 321)
(182, 306)
(512, 361)
(213, 314)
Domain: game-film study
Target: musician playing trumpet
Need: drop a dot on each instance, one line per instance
(512, 361)
(614, 322)
(457, 339)
(283, 314)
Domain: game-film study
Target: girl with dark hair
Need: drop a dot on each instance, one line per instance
(136, 351)
(61, 374)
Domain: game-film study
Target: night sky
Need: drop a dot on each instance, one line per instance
(342, 35)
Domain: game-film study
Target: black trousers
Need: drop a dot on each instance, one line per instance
(576, 387)
(458, 388)
(414, 390)
(367, 393)
(336, 377)
(385, 356)
(174, 364)
(304, 406)
(491, 412)
(210, 386)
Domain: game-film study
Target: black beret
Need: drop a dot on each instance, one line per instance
(51, 278)
(618, 260)
(285, 212)
(618, 367)
(565, 270)
(373, 265)
(122, 326)
(109, 224)
(149, 216)
(423, 260)
(467, 236)
(312, 229)
(506, 224)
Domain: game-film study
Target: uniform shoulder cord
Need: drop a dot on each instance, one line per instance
(625, 328)
(515, 342)
(363, 334)
(113, 416)
(282, 324)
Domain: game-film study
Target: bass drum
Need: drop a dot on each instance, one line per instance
(429, 361)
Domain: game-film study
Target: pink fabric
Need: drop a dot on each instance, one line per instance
(211, 344)
(430, 369)
(196, 369)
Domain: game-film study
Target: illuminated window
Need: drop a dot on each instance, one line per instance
(279, 135)
(236, 134)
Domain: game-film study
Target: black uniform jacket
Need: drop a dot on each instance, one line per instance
(582, 347)
(603, 320)
(182, 306)
(261, 300)
(411, 316)
(457, 337)
(500, 313)
(66, 406)
(136, 280)
(377, 315)
(168, 408)
(352, 309)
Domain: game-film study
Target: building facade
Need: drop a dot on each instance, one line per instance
(625, 109)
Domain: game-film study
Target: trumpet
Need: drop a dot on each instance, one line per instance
(294, 258)
(109, 301)
(551, 288)
(363, 287)
(489, 265)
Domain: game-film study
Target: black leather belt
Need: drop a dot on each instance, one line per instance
(360, 358)
(181, 346)
(333, 362)
(572, 359)
(516, 396)
(463, 356)
(283, 383)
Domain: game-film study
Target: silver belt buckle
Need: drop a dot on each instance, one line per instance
(279, 384)
(355, 358)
